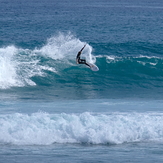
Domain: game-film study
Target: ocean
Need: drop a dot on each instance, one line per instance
(54, 110)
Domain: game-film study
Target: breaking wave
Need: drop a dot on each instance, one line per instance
(54, 63)
(87, 128)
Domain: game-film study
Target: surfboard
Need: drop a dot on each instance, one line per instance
(93, 67)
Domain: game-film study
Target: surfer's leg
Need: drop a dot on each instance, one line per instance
(82, 61)
(87, 64)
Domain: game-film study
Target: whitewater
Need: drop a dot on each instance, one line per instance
(85, 128)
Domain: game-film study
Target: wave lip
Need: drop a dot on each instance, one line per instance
(87, 128)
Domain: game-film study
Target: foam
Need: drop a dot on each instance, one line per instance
(8, 74)
(46, 129)
(17, 68)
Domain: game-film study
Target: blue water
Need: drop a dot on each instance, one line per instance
(53, 110)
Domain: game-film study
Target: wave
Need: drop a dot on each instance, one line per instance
(84, 128)
(18, 65)
(54, 63)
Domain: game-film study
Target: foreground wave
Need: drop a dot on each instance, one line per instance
(114, 128)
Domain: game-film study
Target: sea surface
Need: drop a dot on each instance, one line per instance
(53, 110)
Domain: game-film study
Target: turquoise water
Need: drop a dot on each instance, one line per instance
(53, 110)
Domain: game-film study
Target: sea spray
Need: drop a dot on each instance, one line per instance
(64, 46)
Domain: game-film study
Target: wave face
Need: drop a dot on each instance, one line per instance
(53, 66)
(114, 128)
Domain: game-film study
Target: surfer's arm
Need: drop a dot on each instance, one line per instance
(82, 48)
(79, 53)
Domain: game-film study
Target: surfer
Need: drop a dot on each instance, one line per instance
(79, 60)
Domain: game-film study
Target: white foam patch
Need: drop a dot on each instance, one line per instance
(143, 60)
(46, 129)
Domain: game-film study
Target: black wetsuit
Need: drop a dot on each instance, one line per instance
(81, 61)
